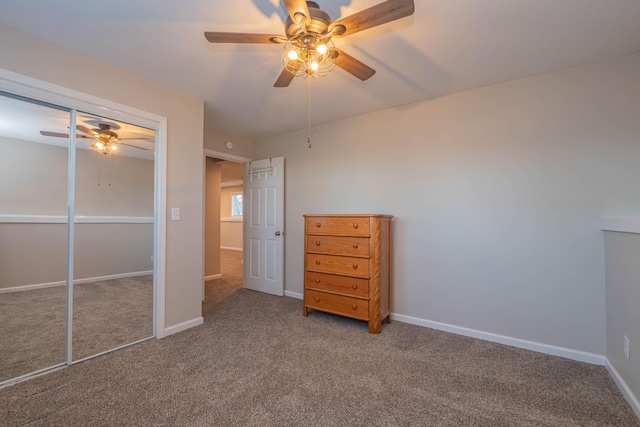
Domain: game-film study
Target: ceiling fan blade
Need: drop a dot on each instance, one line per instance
(300, 8)
(143, 138)
(286, 76)
(56, 134)
(61, 135)
(134, 146)
(379, 14)
(215, 37)
(351, 64)
(86, 130)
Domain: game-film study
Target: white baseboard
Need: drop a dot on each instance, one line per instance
(624, 388)
(181, 327)
(75, 282)
(229, 248)
(212, 277)
(112, 276)
(581, 356)
(295, 295)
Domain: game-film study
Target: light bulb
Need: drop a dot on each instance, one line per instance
(293, 55)
(99, 145)
(322, 49)
(314, 66)
(113, 147)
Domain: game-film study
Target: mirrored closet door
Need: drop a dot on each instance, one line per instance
(113, 243)
(76, 236)
(33, 237)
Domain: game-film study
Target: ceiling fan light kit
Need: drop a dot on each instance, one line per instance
(105, 141)
(309, 50)
(104, 146)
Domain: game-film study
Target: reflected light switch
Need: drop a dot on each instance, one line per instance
(175, 214)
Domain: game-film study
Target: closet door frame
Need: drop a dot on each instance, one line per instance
(74, 100)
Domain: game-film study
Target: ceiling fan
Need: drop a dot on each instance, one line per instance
(104, 139)
(309, 30)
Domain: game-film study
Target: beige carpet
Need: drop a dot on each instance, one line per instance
(256, 361)
(107, 314)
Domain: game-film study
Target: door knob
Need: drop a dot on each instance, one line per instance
(277, 233)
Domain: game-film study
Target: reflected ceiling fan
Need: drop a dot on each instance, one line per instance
(105, 140)
(309, 30)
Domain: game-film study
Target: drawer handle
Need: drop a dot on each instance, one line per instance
(316, 299)
(317, 243)
(355, 266)
(355, 246)
(354, 286)
(355, 307)
(318, 224)
(317, 262)
(355, 225)
(317, 280)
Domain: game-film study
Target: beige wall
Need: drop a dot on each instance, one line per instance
(212, 218)
(33, 57)
(32, 254)
(497, 192)
(225, 199)
(230, 229)
(622, 251)
(215, 140)
(33, 180)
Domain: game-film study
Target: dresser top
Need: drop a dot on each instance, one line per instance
(347, 215)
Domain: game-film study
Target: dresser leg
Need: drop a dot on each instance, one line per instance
(374, 327)
(388, 319)
(304, 311)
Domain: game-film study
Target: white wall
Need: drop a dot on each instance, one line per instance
(497, 194)
(33, 57)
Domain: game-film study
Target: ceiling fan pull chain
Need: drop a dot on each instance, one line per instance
(99, 167)
(309, 112)
(109, 170)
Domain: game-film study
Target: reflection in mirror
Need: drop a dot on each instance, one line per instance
(33, 211)
(113, 242)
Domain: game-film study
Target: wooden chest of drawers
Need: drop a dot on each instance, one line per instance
(347, 263)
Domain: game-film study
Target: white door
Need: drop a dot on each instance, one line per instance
(264, 225)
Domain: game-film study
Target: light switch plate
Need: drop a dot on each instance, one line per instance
(175, 214)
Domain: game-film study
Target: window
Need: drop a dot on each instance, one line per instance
(236, 204)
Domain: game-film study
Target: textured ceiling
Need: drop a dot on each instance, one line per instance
(445, 47)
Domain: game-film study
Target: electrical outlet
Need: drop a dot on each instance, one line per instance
(626, 347)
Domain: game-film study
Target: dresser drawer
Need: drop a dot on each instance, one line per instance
(345, 226)
(352, 286)
(337, 304)
(351, 246)
(350, 266)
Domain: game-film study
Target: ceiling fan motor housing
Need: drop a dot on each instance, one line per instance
(320, 21)
(105, 130)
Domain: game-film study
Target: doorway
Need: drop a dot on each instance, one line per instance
(223, 228)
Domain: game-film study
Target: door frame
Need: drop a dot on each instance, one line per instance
(206, 152)
(54, 94)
